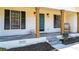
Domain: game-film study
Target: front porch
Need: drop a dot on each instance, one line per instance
(46, 23)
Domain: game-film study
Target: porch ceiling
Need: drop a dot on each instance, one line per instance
(74, 9)
(70, 9)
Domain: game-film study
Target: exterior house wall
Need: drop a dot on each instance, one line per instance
(31, 20)
(49, 20)
(71, 18)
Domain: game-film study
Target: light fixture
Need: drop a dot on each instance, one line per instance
(34, 12)
(47, 14)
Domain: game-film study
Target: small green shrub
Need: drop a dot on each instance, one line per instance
(65, 35)
(2, 49)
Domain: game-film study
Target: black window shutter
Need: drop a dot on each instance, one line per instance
(23, 19)
(54, 21)
(7, 19)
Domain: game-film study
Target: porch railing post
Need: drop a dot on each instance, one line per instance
(62, 21)
(37, 22)
(77, 21)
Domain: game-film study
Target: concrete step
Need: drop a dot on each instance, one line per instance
(55, 42)
(53, 39)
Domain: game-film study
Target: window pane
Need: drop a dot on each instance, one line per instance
(7, 19)
(23, 20)
(15, 19)
(56, 21)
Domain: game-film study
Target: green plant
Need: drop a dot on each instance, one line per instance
(2, 49)
(65, 35)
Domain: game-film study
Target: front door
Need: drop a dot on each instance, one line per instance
(41, 16)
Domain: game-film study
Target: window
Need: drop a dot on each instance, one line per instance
(56, 21)
(14, 19)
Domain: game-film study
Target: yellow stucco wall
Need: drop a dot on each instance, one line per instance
(29, 12)
(71, 17)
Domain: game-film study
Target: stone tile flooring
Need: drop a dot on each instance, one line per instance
(20, 37)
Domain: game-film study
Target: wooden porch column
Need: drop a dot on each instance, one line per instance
(62, 21)
(77, 21)
(37, 23)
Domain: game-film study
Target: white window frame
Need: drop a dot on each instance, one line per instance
(11, 20)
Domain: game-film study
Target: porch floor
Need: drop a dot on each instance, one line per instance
(25, 36)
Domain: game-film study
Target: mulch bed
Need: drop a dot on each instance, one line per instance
(70, 40)
(44, 46)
